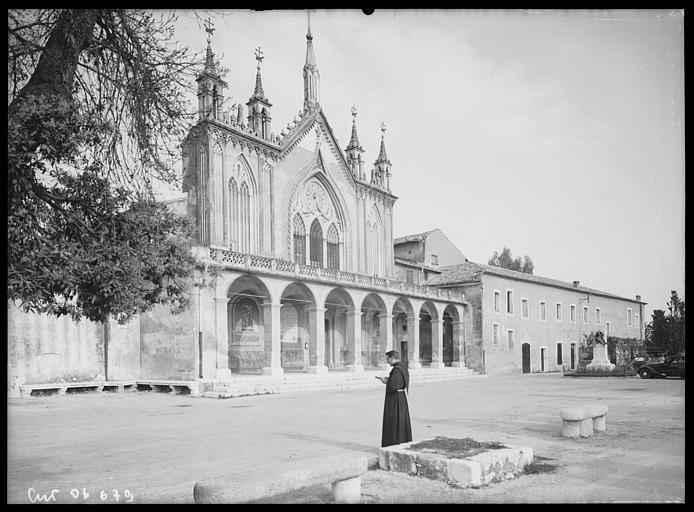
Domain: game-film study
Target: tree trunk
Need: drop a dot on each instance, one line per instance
(55, 71)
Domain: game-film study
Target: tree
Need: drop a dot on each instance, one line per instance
(505, 260)
(96, 108)
(668, 329)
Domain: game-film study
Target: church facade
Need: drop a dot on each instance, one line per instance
(299, 232)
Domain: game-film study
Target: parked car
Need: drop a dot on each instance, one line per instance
(671, 367)
(639, 361)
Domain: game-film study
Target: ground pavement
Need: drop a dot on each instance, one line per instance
(149, 447)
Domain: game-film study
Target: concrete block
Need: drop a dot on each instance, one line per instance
(586, 427)
(347, 491)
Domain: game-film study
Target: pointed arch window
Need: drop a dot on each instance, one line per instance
(299, 240)
(316, 244)
(333, 247)
(245, 217)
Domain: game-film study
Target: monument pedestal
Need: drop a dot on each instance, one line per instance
(600, 360)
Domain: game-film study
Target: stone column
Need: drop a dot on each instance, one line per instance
(386, 322)
(436, 343)
(413, 342)
(221, 334)
(271, 327)
(316, 327)
(354, 363)
(458, 344)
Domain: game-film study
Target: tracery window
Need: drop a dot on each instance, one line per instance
(299, 240)
(316, 244)
(333, 248)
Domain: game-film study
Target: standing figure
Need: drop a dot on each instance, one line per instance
(396, 413)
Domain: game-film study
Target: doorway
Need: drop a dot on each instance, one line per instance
(526, 357)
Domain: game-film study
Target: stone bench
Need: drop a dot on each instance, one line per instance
(61, 388)
(582, 421)
(176, 387)
(343, 471)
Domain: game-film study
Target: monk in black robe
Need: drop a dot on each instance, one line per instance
(396, 414)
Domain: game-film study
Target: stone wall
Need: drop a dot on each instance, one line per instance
(45, 348)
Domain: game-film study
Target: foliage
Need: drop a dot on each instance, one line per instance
(505, 260)
(96, 107)
(121, 69)
(668, 329)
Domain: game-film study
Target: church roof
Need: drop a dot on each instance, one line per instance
(470, 272)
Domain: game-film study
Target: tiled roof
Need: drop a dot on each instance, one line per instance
(417, 237)
(470, 272)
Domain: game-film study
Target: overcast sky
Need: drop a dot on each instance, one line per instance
(559, 134)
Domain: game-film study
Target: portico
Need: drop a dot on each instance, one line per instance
(271, 316)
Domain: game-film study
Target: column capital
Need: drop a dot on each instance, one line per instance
(221, 300)
(315, 309)
(385, 315)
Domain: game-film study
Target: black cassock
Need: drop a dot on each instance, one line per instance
(396, 413)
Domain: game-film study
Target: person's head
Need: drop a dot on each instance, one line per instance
(392, 357)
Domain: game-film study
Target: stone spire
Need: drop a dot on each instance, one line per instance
(258, 105)
(354, 150)
(311, 74)
(210, 84)
(380, 176)
(258, 92)
(382, 157)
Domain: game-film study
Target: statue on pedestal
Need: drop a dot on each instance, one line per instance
(600, 360)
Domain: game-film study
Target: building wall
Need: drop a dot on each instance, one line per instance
(438, 244)
(410, 251)
(44, 348)
(500, 359)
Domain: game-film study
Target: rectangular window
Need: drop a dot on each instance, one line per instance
(543, 310)
(409, 276)
(585, 314)
(434, 259)
(525, 308)
(509, 339)
(597, 315)
(495, 335)
(560, 356)
(572, 312)
(509, 302)
(497, 300)
(557, 306)
(629, 317)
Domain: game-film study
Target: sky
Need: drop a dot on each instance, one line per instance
(556, 133)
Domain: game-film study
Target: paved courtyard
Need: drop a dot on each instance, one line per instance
(149, 447)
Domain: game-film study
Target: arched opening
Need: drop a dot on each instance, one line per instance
(402, 312)
(426, 314)
(295, 335)
(372, 334)
(337, 345)
(245, 324)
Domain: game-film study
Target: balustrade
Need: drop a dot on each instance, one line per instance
(279, 266)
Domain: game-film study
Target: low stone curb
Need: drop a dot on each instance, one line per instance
(482, 469)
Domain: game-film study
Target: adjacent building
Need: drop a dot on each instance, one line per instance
(519, 322)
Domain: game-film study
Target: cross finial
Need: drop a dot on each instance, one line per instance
(209, 28)
(383, 129)
(354, 111)
(259, 56)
